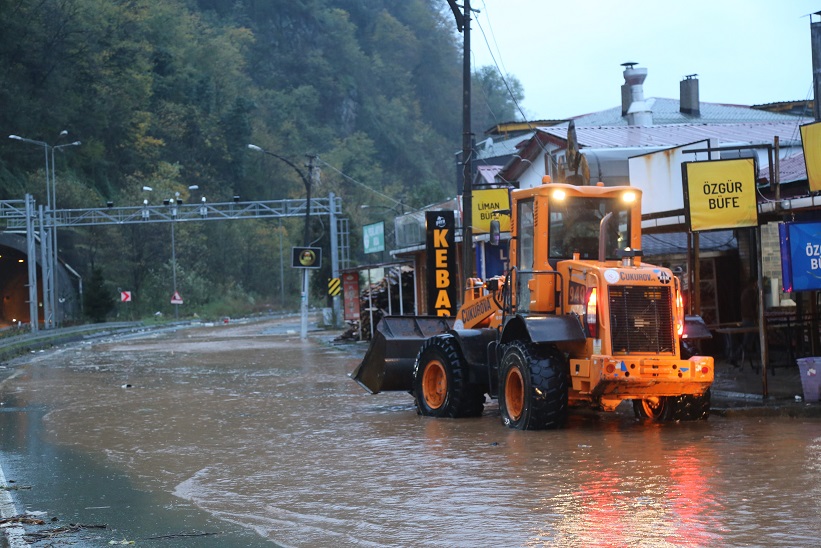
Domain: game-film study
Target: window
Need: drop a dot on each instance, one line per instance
(575, 223)
(525, 255)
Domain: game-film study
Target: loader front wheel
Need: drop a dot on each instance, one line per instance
(533, 387)
(440, 381)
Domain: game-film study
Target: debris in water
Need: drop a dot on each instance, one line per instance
(25, 519)
(50, 533)
(181, 535)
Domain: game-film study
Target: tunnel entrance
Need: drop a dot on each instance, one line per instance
(14, 291)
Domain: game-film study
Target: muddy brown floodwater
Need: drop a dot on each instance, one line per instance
(259, 430)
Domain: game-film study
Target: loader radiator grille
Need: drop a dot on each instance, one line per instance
(641, 319)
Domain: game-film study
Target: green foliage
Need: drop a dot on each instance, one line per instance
(98, 300)
(495, 100)
(168, 93)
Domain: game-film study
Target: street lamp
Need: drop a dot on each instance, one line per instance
(50, 283)
(307, 182)
(174, 203)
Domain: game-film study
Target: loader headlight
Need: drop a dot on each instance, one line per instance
(628, 197)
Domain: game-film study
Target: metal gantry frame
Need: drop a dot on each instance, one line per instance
(21, 215)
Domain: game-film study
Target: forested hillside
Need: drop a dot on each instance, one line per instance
(168, 93)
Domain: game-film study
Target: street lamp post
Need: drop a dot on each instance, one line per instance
(306, 238)
(48, 238)
(174, 202)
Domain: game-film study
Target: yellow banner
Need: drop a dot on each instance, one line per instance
(485, 202)
(811, 138)
(721, 194)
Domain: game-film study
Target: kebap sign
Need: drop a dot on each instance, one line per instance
(720, 194)
(800, 256)
(441, 251)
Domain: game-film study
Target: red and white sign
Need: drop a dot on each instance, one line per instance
(176, 298)
(350, 295)
(125, 296)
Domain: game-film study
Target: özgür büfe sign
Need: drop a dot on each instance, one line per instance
(720, 194)
(441, 264)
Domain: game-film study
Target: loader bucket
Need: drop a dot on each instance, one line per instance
(388, 363)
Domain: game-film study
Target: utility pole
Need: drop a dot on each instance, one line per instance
(305, 271)
(815, 44)
(463, 25)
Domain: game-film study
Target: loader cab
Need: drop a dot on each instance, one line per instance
(554, 221)
(575, 223)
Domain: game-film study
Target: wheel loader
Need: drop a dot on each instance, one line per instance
(576, 320)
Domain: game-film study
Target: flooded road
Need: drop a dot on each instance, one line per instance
(248, 431)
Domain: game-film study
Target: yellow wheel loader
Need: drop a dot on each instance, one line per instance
(577, 320)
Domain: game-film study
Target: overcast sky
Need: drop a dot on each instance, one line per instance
(567, 54)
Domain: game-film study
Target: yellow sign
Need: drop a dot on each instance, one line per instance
(811, 139)
(721, 194)
(485, 202)
(334, 287)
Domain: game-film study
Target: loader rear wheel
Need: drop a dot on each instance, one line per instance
(673, 408)
(440, 381)
(533, 387)
(656, 409)
(693, 408)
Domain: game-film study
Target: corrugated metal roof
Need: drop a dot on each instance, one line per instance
(491, 148)
(675, 135)
(666, 111)
(487, 174)
(791, 169)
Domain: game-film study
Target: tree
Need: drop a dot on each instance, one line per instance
(98, 299)
(495, 99)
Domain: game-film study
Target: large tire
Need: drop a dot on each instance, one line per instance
(693, 408)
(440, 381)
(673, 408)
(533, 388)
(656, 409)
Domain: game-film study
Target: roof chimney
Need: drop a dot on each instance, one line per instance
(688, 89)
(632, 96)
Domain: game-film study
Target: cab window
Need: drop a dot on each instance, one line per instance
(574, 227)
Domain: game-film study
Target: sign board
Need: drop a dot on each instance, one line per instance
(125, 296)
(306, 257)
(176, 298)
(485, 202)
(800, 256)
(373, 237)
(811, 142)
(441, 264)
(350, 295)
(334, 287)
(720, 194)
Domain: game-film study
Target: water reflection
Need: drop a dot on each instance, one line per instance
(269, 433)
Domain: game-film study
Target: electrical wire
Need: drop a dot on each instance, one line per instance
(351, 179)
(503, 75)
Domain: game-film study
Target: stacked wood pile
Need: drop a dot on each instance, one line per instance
(376, 296)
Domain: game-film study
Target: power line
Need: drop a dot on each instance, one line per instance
(351, 179)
